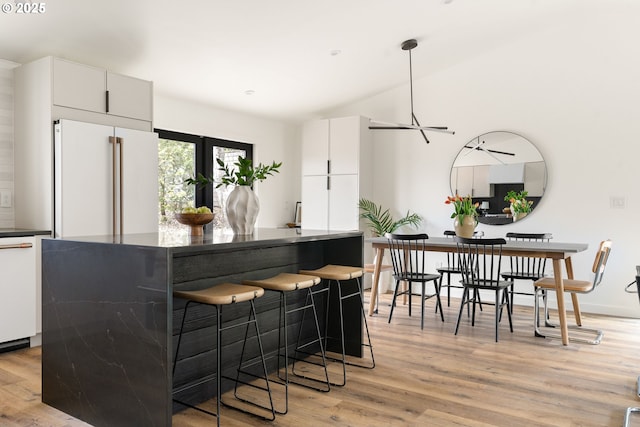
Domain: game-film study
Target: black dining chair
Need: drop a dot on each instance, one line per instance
(409, 265)
(480, 262)
(524, 267)
(451, 266)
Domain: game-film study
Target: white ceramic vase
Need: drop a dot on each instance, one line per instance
(242, 209)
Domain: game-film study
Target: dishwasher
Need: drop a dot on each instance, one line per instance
(629, 288)
(17, 292)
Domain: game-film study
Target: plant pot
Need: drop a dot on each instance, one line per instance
(467, 227)
(242, 209)
(519, 215)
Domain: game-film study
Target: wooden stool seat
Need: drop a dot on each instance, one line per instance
(222, 294)
(335, 272)
(218, 296)
(285, 282)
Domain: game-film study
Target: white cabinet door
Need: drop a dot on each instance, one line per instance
(315, 203)
(535, 178)
(140, 180)
(82, 179)
(315, 147)
(79, 86)
(344, 145)
(17, 288)
(464, 181)
(481, 186)
(343, 202)
(130, 97)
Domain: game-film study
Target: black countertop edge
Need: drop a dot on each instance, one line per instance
(183, 243)
(22, 232)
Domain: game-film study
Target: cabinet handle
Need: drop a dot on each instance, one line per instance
(328, 183)
(107, 101)
(17, 246)
(328, 166)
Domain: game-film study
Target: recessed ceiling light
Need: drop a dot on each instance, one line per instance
(249, 92)
(335, 52)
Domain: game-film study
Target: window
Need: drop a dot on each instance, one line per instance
(182, 156)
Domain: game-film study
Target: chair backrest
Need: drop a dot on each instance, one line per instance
(600, 262)
(407, 261)
(452, 258)
(480, 260)
(526, 266)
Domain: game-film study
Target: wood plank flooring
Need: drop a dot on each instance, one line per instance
(425, 378)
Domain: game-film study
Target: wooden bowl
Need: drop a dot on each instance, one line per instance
(195, 221)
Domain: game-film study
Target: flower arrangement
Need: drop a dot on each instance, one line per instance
(462, 206)
(518, 201)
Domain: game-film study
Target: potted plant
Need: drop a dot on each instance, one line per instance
(465, 214)
(381, 222)
(242, 204)
(518, 204)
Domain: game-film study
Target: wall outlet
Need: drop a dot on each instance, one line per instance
(5, 198)
(617, 202)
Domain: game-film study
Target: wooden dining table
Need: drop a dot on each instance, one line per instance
(554, 251)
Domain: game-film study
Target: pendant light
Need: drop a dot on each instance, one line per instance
(415, 124)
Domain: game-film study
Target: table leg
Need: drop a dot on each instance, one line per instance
(574, 298)
(562, 314)
(376, 278)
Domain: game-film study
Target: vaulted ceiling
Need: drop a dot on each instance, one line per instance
(283, 59)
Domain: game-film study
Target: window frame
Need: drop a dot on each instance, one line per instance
(204, 157)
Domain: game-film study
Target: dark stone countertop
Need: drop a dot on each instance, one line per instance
(181, 241)
(22, 232)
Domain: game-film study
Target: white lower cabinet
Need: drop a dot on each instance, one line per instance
(17, 288)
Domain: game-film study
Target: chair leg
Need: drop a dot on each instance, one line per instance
(438, 302)
(424, 285)
(465, 295)
(393, 301)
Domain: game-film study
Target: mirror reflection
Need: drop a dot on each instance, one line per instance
(497, 169)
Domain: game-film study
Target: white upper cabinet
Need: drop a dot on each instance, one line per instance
(94, 89)
(336, 172)
(78, 86)
(331, 146)
(130, 97)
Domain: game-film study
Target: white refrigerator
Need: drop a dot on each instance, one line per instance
(105, 180)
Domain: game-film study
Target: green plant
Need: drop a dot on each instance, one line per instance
(462, 206)
(519, 201)
(381, 222)
(244, 173)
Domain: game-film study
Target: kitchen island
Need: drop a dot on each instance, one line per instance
(110, 322)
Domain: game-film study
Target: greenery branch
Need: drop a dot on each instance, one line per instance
(381, 221)
(244, 173)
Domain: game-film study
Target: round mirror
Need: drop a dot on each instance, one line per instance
(496, 166)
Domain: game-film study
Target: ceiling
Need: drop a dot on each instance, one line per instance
(281, 59)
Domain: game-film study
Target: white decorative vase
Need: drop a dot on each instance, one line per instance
(242, 209)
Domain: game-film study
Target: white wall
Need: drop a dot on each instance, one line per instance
(573, 91)
(273, 141)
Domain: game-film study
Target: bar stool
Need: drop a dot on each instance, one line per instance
(285, 283)
(217, 296)
(338, 274)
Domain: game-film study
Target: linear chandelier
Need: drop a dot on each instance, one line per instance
(415, 124)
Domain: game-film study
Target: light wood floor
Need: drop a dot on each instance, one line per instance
(426, 378)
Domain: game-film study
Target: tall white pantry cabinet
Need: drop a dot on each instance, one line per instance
(50, 89)
(336, 172)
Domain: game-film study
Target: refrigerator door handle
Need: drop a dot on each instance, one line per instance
(114, 142)
(120, 141)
